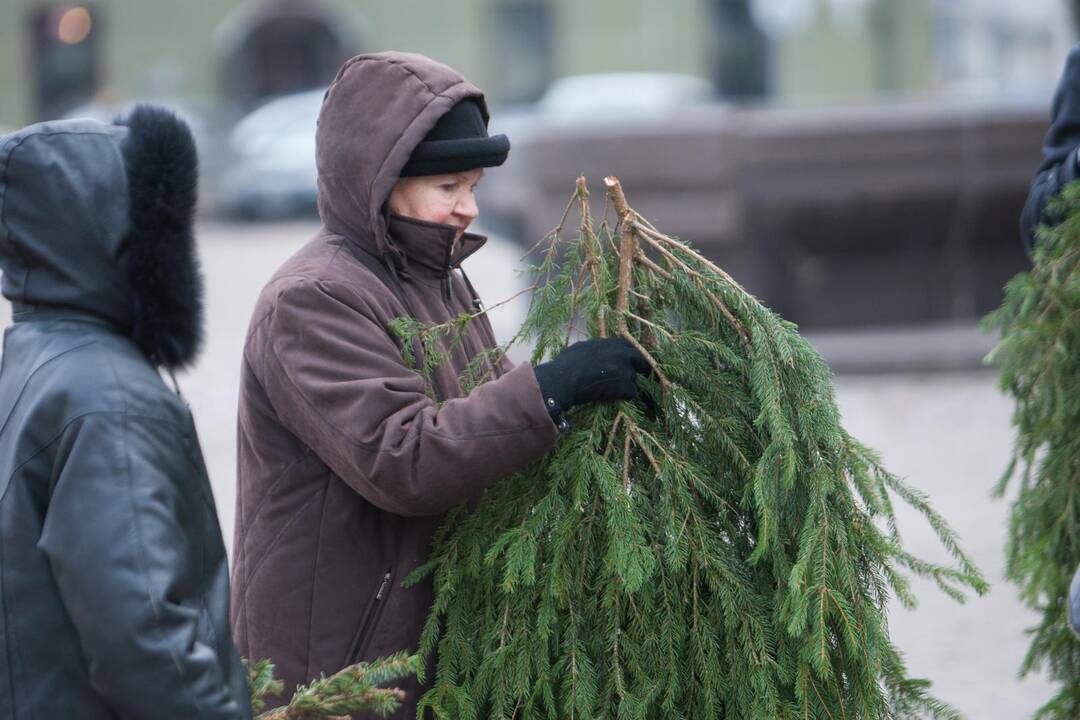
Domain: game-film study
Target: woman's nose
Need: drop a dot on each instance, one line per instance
(467, 208)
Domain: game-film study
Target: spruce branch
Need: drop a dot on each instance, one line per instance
(1039, 358)
(715, 555)
(628, 250)
(657, 241)
(261, 682)
(350, 690)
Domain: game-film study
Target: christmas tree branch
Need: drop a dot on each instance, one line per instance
(628, 247)
(643, 259)
(727, 536)
(1038, 352)
(592, 260)
(350, 690)
(702, 282)
(659, 237)
(628, 251)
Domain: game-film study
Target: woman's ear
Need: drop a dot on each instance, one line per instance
(394, 203)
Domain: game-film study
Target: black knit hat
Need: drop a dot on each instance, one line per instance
(459, 141)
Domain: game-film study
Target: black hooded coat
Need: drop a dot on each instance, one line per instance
(113, 580)
(1059, 165)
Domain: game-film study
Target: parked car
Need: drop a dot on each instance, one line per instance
(579, 105)
(271, 171)
(632, 95)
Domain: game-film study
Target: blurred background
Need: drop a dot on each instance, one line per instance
(858, 164)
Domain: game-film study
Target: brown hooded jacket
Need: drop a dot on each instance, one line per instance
(346, 464)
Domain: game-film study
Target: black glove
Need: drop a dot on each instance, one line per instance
(589, 371)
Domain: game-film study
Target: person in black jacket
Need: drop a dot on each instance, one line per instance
(1060, 152)
(113, 579)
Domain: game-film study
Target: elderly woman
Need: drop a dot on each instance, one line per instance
(346, 464)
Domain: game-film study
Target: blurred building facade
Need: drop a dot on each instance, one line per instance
(868, 165)
(800, 51)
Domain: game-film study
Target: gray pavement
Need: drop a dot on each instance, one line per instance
(947, 433)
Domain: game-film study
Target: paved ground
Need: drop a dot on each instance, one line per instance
(948, 433)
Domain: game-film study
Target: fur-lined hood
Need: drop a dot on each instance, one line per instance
(99, 219)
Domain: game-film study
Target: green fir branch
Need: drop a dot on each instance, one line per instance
(729, 555)
(353, 689)
(1039, 358)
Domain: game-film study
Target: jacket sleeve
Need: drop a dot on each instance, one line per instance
(128, 570)
(338, 381)
(1059, 164)
(1073, 615)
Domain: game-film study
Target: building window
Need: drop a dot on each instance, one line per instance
(522, 48)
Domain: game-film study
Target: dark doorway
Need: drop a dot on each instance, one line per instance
(277, 47)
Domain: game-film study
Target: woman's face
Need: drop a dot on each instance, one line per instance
(446, 199)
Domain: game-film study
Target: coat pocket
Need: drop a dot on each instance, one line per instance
(356, 647)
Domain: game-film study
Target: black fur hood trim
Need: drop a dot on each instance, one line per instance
(158, 253)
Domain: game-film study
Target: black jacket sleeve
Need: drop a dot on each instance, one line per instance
(1059, 165)
(123, 535)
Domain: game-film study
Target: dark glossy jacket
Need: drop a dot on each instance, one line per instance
(113, 577)
(1059, 164)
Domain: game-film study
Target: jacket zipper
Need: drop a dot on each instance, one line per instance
(361, 633)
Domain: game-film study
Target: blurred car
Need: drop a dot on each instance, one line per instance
(602, 98)
(595, 104)
(630, 94)
(270, 173)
